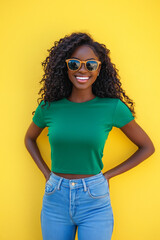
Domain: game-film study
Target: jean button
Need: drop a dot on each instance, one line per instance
(73, 183)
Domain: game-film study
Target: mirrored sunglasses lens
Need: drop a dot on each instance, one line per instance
(91, 65)
(73, 64)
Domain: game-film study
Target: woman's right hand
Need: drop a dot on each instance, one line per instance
(48, 176)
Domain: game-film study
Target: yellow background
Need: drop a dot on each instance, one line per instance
(130, 29)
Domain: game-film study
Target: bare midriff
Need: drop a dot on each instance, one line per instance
(73, 176)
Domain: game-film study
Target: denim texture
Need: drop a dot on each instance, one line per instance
(76, 204)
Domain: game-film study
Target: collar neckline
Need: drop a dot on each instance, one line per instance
(79, 103)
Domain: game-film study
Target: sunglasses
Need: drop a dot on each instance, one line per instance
(74, 64)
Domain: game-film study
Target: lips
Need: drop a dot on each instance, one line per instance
(82, 79)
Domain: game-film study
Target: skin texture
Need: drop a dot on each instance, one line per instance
(82, 92)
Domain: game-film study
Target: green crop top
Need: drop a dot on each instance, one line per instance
(78, 131)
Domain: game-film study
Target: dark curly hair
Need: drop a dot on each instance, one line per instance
(57, 85)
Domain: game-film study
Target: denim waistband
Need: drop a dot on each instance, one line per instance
(76, 183)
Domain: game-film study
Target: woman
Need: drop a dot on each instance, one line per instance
(83, 101)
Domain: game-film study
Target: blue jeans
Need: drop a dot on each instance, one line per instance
(77, 204)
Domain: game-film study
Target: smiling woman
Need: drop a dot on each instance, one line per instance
(83, 101)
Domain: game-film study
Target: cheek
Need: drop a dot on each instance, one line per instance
(70, 75)
(71, 78)
(94, 76)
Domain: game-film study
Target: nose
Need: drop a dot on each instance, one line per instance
(82, 68)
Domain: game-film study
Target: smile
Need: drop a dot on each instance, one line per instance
(82, 79)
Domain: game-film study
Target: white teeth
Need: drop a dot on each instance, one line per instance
(82, 78)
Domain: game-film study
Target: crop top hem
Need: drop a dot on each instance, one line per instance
(77, 172)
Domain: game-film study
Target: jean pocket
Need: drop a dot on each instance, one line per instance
(50, 187)
(99, 189)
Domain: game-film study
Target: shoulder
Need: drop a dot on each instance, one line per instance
(47, 106)
(112, 101)
(44, 105)
(116, 102)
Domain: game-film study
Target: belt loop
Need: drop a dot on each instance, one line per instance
(84, 184)
(59, 183)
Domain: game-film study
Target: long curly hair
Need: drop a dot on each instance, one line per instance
(57, 85)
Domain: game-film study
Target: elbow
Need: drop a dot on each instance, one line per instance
(149, 149)
(25, 140)
(153, 149)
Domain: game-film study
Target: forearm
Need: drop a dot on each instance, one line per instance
(33, 149)
(139, 156)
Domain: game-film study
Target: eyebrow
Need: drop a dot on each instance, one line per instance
(86, 59)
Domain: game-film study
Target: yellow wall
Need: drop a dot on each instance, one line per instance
(130, 29)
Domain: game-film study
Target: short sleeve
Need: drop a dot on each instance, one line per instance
(122, 114)
(38, 117)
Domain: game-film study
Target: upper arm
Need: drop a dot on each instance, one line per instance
(137, 135)
(38, 123)
(33, 131)
(124, 120)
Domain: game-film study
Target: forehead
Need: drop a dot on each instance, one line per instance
(84, 52)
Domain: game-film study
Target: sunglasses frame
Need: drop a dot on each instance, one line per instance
(67, 60)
